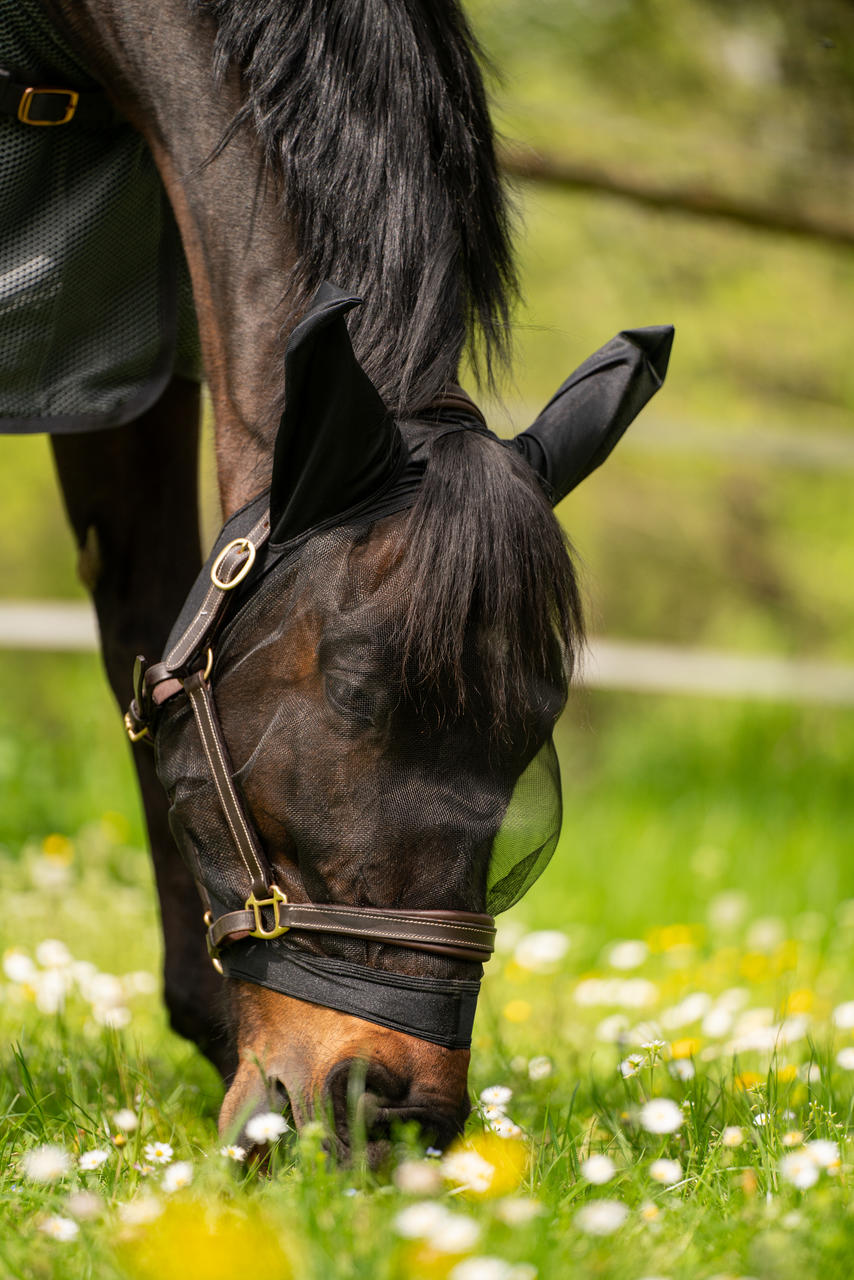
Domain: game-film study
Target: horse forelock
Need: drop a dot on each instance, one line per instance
(374, 114)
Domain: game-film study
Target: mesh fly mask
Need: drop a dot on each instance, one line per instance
(293, 550)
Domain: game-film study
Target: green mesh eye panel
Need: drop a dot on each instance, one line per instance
(96, 309)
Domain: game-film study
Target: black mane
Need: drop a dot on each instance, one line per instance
(374, 114)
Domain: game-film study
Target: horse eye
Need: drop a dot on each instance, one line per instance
(358, 702)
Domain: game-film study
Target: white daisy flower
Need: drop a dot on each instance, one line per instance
(682, 1069)
(418, 1221)
(540, 1068)
(53, 954)
(177, 1176)
(627, 955)
(661, 1115)
(732, 1136)
(541, 952)
(799, 1169)
(845, 1058)
(59, 1228)
(158, 1152)
(18, 967)
(48, 1163)
(793, 1138)
(517, 1211)
(92, 1159)
(631, 1065)
(761, 1119)
(822, 1152)
(237, 1154)
(84, 1205)
(417, 1178)
(454, 1234)
(612, 1028)
(598, 1169)
(843, 1015)
(266, 1127)
(482, 1269)
(116, 1017)
(143, 1208)
(667, 1172)
(468, 1169)
(126, 1120)
(601, 1217)
(496, 1095)
(505, 1128)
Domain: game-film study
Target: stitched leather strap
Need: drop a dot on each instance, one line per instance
(461, 934)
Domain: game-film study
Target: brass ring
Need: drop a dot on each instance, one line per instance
(241, 572)
(208, 665)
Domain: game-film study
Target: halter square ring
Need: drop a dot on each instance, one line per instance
(25, 106)
(254, 905)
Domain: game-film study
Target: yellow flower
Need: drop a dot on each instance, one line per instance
(688, 1047)
(787, 1073)
(748, 1080)
(195, 1241)
(517, 1011)
(754, 966)
(800, 1001)
(58, 849)
(486, 1165)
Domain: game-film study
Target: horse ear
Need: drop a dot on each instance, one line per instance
(337, 443)
(588, 415)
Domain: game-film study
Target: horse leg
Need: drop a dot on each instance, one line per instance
(131, 497)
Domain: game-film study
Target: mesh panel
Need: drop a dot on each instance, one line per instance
(357, 786)
(95, 305)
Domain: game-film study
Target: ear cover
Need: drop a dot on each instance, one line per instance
(588, 415)
(337, 444)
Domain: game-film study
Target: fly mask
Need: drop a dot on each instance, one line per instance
(343, 467)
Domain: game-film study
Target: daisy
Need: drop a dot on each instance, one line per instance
(125, 1120)
(516, 1211)
(845, 1058)
(233, 1153)
(454, 1234)
(46, 1164)
(496, 1095)
(468, 1169)
(843, 1015)
(92, 1159)
(266, 1127)
(18, 967)
(505, 1128)
(417, 1178)
(732, 1136)
(667, 1172)
(598, 1170)
(799, 1169)
(661, 1115)
(145, 1208)
(59, 1228)
(177, 1176)
(823, 1153)
(158, 1152)
(541, 952)
(601, 1217)
(482, 1269)
(419, 1220)
(539, 1068)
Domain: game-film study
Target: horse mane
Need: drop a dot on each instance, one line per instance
(487, 562)
(374, 115)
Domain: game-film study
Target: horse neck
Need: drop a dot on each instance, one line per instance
(155, 63)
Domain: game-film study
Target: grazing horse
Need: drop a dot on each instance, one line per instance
(352, 716)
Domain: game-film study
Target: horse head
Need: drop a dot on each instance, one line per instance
(356, 737)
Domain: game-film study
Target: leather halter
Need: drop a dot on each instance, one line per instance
(267, 914)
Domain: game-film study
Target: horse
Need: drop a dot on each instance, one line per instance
(352, 715)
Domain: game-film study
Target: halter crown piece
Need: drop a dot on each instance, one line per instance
(267, 536)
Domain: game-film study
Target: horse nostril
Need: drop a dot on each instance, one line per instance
(368, 1101)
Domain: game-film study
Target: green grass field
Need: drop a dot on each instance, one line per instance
(713, 838)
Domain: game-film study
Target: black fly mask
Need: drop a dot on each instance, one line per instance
(335, 803)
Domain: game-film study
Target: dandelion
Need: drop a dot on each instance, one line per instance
(598, 1170)
(59, 1228)
(601, 1217)
(539, 1068)
(417, 1178)
(496, 1095)
(799, 1169)
(266, 1127)
(126, 1120)
(541, 952)
(661, 1115)
(48, 1163)
(667, 1172)
(845, 1058)
(92, 1159)
(238, 1154)
(158, 1152)
(823, 1152)
(177, 1176)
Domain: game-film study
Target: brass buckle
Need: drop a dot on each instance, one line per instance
(135, 735)
(213, 952)
(254, 905)
(27, 99)
(241, 572)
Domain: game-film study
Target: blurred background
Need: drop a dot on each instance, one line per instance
(694, 165)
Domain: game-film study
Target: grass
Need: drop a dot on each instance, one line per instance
(715, 835)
